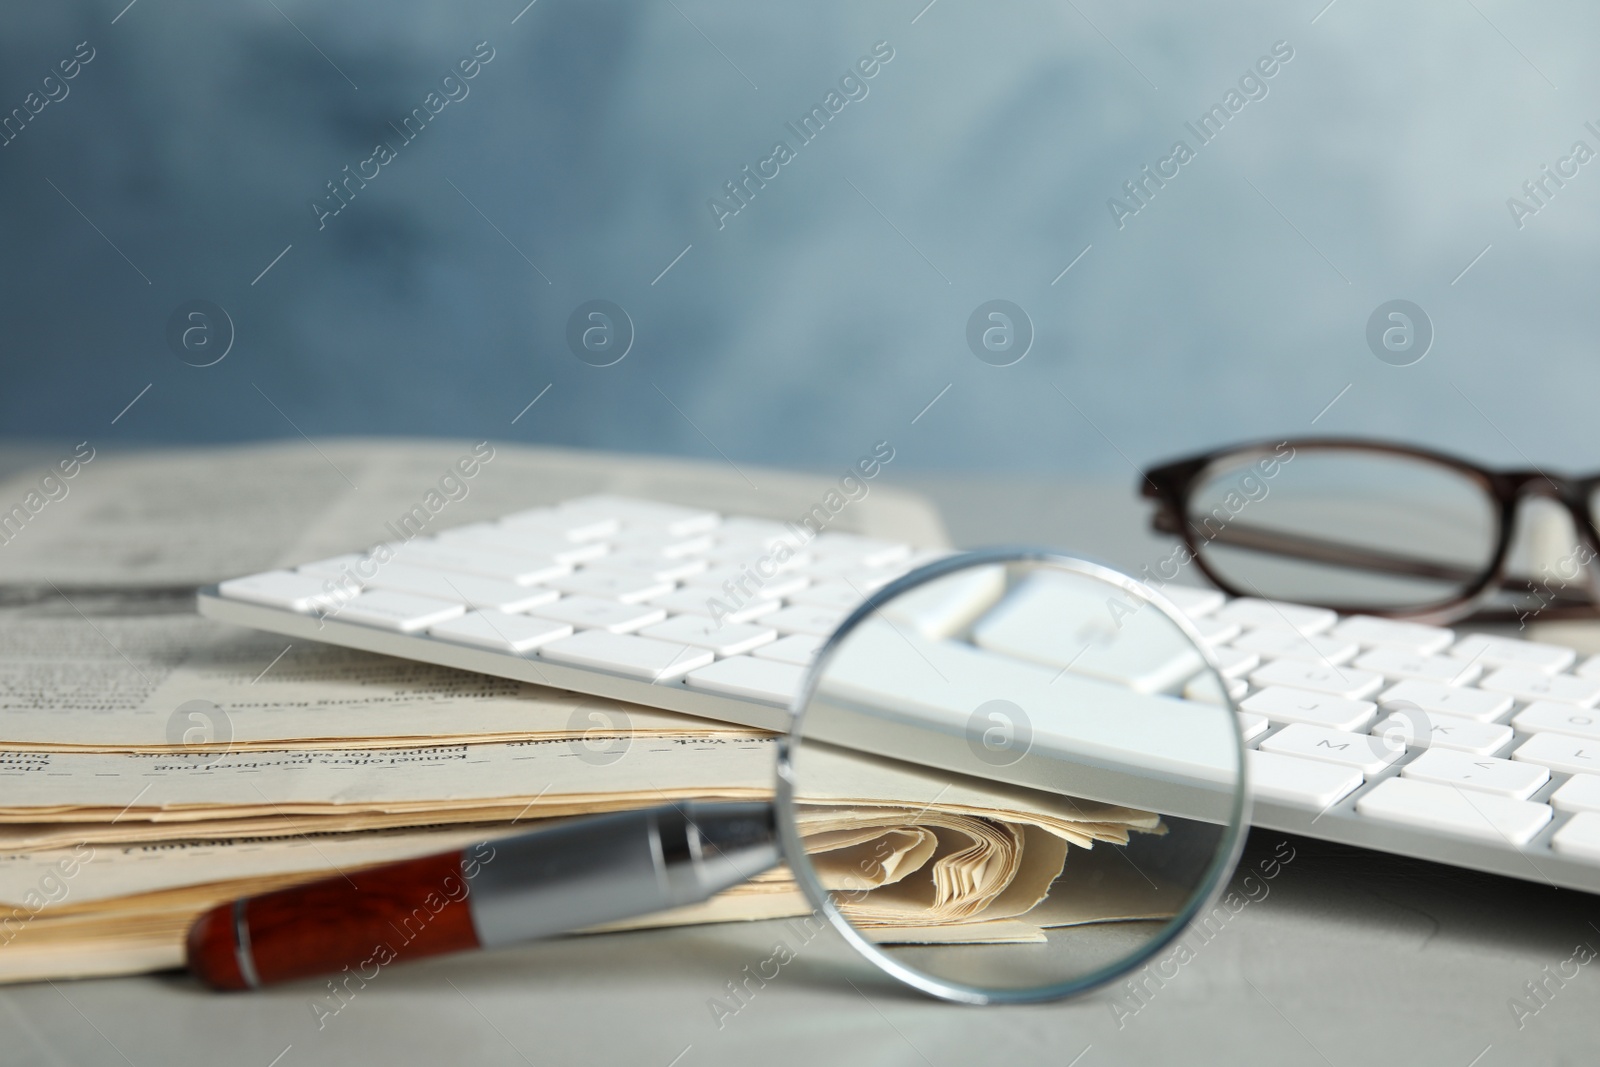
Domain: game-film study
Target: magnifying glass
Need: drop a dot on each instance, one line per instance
(1010, 776)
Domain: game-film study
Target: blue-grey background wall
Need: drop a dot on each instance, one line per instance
(182, 161)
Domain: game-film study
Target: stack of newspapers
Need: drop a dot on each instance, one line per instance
(154, 764)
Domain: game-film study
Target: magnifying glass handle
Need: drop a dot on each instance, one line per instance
(580, 874)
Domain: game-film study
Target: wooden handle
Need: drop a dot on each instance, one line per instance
(362, 922)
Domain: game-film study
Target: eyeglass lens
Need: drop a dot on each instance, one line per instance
(1343, 528)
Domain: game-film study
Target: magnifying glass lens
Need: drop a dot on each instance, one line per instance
(1013, 778)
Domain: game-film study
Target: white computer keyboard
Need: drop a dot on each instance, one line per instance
(1483, 752)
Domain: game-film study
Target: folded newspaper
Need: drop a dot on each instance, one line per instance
(155, 764)
(107, 853)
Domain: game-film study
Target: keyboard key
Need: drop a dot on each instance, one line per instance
(837, 595)
(1532, 685)
(1398, 664)
(626, 587)
(723, 638)
(579, 527)
(1443, 809)
(664, 544)
(653, 564)
(673, 518)
(1050, 620)
(629, 654)
(750, 679)
(644, 533)
(1236, 662)
(748, 581)
(1371, 632)
(753, 554)
(1203, 689)
(570, 526)
(470, 589)
(524, 541)
(1505, 652)
(1307, 783)
(573, 527)
(593, 613)
(1580, 837)
(1347, 682)
(1589, 668)
(285, 589)
(1191, 601)
(1560, 752)
(349, 567)
(1424, 729)
(1446, 699)
(1248, 611)
(1281, 704)
(940, 683)
(405, 612)
(1364, 752)
(796, 649)
(691, 600)
(1215, 631)
(804, 620)
(469, 531)
(1487, 774)
(1544, 715)
(500, 631)
(1252, 726)
(472, 559)
(1277, 642)
(1581, 792)
(945, 607)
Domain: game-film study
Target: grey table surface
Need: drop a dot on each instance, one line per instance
(1345, 957)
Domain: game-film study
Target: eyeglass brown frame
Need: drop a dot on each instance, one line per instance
(1172, 486)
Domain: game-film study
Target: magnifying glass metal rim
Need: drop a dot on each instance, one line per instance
(1222, 865)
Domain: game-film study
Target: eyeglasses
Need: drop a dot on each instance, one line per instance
(1375, 528)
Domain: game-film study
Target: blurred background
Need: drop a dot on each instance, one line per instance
(188, 158)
